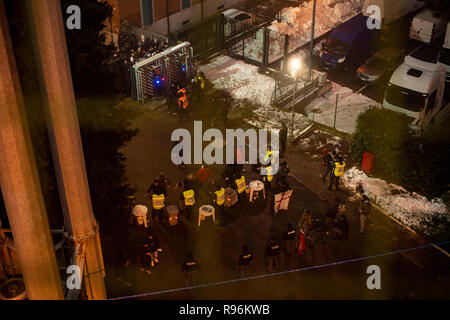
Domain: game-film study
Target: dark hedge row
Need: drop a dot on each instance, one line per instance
(418, 163)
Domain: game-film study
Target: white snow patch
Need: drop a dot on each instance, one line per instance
(246, 86)
(412, 209)
(350, 105)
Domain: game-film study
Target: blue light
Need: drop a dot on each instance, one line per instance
(157, 80)
(183, 68)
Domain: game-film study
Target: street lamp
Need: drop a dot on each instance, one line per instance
(295, 66)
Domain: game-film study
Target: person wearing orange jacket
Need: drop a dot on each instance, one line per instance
(183, 104)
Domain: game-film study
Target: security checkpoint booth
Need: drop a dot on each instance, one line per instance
(152, 76)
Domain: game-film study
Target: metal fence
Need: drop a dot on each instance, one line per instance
(206, 37)
(137, 32)
(151, 77)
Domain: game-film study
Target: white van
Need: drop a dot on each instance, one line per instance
(425, 27)
(416, 89)
(444, 56)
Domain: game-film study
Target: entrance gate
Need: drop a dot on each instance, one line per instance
(151, 77)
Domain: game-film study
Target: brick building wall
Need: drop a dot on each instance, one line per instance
(155, 15)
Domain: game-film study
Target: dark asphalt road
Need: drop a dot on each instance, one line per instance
(419, 274)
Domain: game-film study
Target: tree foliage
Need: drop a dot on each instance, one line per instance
(88, 53)
(105, 121)
(419, 163)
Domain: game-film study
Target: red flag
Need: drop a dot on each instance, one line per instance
(301, 243)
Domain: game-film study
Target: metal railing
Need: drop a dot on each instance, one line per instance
(138, 31)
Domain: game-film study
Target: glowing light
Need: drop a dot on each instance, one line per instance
(295, 66)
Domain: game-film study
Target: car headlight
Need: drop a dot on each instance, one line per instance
(341, 60)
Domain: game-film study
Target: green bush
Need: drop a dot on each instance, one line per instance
(417, 163)
(383, 133)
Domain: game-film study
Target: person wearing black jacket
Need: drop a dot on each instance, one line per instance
(244, 262)
(152, 248)
(289, 244)
(364, 210)
(189, 267)
(273, 255)
(283, 139)
(341, 227)
(327, 162)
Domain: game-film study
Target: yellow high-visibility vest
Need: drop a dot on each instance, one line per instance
(220, 196)
(158, 201)
(202, 85)
(240, 183)
(266, 159)
(189, 199)
(339, 169)
(269, 175)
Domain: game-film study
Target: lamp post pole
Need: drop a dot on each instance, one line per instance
(311, 48)
(293, 103)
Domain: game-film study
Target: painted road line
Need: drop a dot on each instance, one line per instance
(380, 255)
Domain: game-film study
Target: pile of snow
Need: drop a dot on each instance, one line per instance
(350, 105)
(241, 80)
(410, 208)
(296, 22)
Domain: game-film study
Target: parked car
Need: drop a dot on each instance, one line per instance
(349, 44)
(236, 21)
(381, 65)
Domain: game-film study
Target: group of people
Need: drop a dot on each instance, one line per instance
(131, 50)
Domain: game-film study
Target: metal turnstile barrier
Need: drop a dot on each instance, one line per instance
(151, 77)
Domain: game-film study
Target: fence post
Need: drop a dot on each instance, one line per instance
(243, 42)
(335, 111)
(220, 31)
(266, 37)
(285, 52)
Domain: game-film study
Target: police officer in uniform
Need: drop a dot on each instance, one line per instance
(337, 172)
(189, 195)
(267, 177)
(244, 262)
(273, 255)
(158, 193)
(289, 243)
(218, 198)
